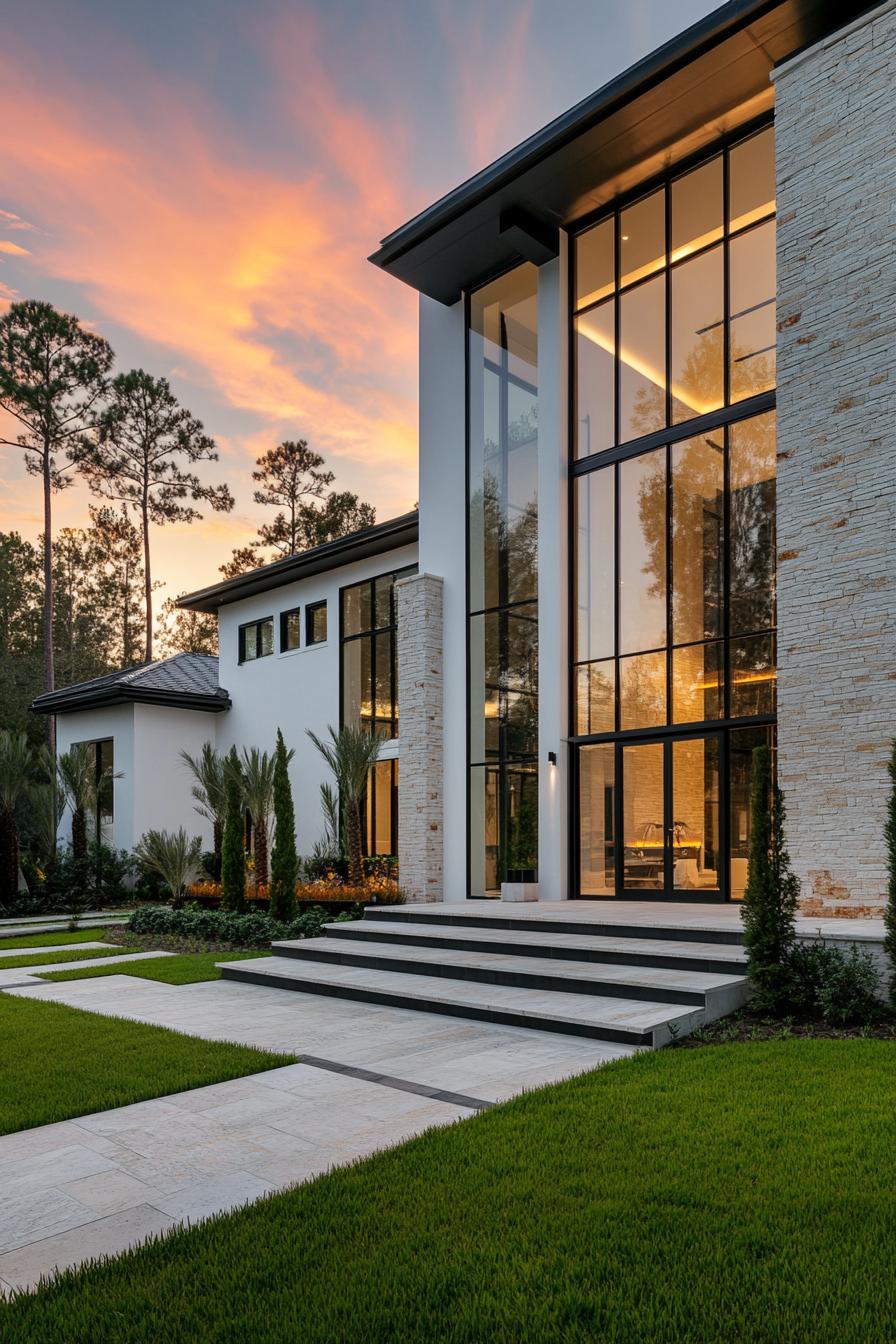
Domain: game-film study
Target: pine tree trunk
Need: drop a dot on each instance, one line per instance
(261, 853)
(9, 858)
(49, 664)
(147, 582)
(79, 833)
(353, 835)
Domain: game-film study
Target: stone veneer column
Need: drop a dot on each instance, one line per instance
(836, 186)
(420, 729)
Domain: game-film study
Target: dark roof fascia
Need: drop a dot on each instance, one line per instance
(434, 275)
(62, 702)
(370, 541)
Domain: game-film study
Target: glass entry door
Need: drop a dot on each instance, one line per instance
(650, 819)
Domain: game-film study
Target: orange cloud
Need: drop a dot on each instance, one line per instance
(13, 249)
(254, 282)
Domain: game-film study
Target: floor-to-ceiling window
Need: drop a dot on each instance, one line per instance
(368, 635)
(503, 581)
(674, 502)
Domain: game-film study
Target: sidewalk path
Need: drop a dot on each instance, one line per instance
(371, 1077)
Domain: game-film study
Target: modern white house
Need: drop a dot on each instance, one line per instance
(657, 504)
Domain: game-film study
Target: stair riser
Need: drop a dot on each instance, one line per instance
(653, 932)
(482, 975)
(617, 1035)
(506, 947)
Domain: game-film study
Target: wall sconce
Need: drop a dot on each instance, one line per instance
(552, 758)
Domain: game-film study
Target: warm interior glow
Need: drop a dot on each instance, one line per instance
(644, 368)
(739, 679)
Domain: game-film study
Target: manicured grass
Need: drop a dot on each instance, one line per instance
(740, 1193)
(23, 960)
(59, 1062)
(177, 970)
(51, 939)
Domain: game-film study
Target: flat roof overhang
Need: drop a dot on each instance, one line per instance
(370, 541)
(707, 80)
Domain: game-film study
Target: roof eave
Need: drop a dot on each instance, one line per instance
(113, 697)
(376, 540)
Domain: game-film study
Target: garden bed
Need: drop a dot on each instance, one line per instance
(745, 1027)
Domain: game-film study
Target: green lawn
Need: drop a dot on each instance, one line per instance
(59, 1062)
(51, 939)
(184, 969)
(738, 1193)
(79, 954)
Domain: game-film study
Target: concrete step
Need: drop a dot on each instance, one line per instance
(723, 959)
(472, 914)
(638, 1022)
(718, 994)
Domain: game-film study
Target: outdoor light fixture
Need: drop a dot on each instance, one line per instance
(552, 757)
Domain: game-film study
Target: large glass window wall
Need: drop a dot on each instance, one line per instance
(674, 541)
(503, 582)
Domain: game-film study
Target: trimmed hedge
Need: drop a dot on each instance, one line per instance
(253, 929)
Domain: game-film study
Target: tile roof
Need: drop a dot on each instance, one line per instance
(185, 679)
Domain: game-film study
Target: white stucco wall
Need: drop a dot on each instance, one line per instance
(553, 578)
(93, 725)
(297, 690)
(443, 506)
(162, 782)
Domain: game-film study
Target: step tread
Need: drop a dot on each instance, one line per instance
(646, 976)
(562, 941)
(635, 1015)
(533, 916)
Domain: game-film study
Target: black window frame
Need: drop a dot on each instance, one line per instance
(256, 625)
(728, 416)
(311, 610)
(371, 633)
(284, 621)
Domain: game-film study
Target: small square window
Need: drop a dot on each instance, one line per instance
(256, 640)
(316, 623)
(290, 629)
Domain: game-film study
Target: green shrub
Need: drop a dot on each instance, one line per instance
(252, 929)
(772, 891)
(233, 863)
(842, 988)
(890, 911)
(284, 863)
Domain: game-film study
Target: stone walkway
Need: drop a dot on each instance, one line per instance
(371, 1077)
(15, 977)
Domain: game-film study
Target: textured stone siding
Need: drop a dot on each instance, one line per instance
(836, 252)
(420, 733)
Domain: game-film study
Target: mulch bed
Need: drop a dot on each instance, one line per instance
(747, 1027)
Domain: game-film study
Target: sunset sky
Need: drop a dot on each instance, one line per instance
(201, 181)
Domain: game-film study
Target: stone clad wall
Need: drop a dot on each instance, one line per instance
(836, 251)
(420, 727)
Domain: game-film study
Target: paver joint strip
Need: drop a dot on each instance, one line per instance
(400, 1084)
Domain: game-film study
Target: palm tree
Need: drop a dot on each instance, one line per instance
(329, 802)
(257, 781)
(173, 855)
(81, 783)
(209, 792)
(46, 800)
(16, 766)
(76, 770)
(351, 753)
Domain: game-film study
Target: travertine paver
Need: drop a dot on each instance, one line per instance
(98, 1184)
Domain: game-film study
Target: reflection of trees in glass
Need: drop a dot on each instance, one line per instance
(522, 821)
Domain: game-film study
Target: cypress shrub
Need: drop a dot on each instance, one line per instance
(772, 892)
(233, 863)
(890, 911)
(284, 862)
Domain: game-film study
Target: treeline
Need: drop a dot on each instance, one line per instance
(80, 603)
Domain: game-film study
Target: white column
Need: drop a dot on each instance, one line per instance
(553, 578)
(443, 509)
